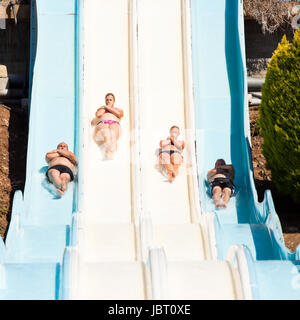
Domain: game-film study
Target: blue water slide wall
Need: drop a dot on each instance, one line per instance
(65, 280)
(222, 131)
(273, 279)
(41, 223)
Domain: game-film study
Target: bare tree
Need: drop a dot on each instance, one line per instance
(270, 14)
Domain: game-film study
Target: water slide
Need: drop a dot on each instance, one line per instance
(122, 231)
(222, 131)
(40, 224)
(128, 211)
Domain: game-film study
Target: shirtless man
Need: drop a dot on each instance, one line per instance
(221, 182)
(170, 151)
(61, 164)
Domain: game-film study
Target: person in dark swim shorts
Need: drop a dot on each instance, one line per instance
(61, 165)
(221, 182)
(61, 169)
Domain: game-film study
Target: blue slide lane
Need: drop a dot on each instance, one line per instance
(222, 131)
(40, 227)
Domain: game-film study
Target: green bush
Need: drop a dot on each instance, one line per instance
(280, 117)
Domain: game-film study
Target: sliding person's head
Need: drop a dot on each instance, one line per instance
(220, 162)
(110, 99)
(174, 131)
(62, 146)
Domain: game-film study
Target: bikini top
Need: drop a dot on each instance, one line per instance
(110, 112)
(172, 144)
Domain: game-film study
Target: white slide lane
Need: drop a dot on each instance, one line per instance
(140, 51)
(108, 267)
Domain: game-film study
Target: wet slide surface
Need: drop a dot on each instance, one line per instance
(130, 50)
(39, 227)
(135, 235)
(222, 131)
(108, 267)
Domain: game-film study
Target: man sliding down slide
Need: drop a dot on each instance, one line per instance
(221, 182)
(61, 165)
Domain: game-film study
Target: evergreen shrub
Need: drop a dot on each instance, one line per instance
(280, 117)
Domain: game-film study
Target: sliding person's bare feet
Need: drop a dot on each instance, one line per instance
(60, 192)
(221, 204)
(170, 175)
(175, 173)
(108, 154)
(64, 186)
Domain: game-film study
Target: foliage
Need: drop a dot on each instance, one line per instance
(280, 117)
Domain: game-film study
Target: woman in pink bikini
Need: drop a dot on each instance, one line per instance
(107, 122)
